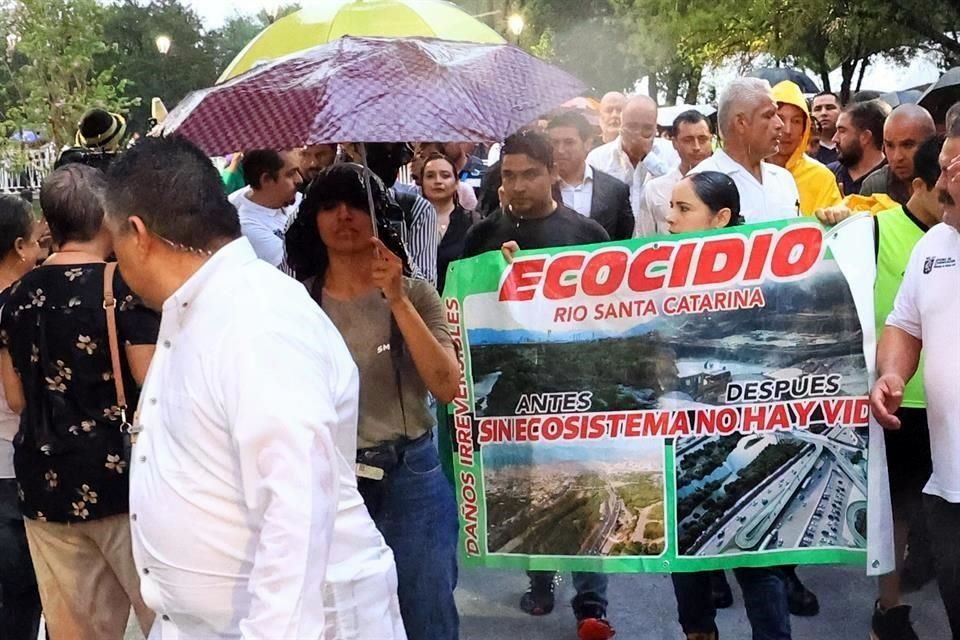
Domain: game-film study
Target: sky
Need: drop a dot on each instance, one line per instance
(215, 12)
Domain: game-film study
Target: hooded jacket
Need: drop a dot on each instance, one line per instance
(817, 184)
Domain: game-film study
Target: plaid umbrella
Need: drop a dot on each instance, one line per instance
(375, 90)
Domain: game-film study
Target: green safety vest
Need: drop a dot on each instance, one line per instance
(898, 234)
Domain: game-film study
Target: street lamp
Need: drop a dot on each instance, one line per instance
(515, 24)
(163, 44)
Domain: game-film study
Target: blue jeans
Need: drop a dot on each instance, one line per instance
(591, 591)
(764, 597)
(415, 510)
(19, 599)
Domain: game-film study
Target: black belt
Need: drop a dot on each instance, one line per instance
(388, 455)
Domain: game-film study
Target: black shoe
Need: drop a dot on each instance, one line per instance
(800, 600)
(720, 590)
(539, 599)
(892, 624)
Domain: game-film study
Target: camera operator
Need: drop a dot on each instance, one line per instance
(99, 138)
(395, 330)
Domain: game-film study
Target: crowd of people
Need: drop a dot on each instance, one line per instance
(235, 433)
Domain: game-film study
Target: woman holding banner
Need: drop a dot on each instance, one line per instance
(701, 202)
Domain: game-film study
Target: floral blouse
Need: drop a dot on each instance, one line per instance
(69, 452)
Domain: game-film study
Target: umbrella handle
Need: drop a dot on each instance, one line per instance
(369, 188)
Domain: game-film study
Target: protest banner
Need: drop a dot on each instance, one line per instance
(669, 404)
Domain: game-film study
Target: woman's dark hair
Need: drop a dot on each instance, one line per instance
(16, 221)
(340, 183)
(438, 156)
(718, 191)
(71, 199)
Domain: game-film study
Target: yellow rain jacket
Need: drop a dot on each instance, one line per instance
(817, 184)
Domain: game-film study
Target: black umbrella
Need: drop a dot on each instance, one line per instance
(897, 98)
(775, 75)
(942, 94)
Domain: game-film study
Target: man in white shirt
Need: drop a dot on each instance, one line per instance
(267, 205)
(693, 140)
(245, 516)
(927, 314)
(750, 128)
(637, 154)
(588, 191)
(611, 109)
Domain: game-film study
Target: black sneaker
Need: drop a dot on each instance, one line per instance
(892, 624)
(800, 600)
(539, 598)
(720, 590)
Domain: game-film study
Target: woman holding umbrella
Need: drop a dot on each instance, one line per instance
(355, 268)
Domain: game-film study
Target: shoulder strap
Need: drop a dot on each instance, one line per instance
(110, 309)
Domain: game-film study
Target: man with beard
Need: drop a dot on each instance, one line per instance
(268, 204)
(907, 127)
(859, 140)
(315, 158)
(926, 313)
(611, 107)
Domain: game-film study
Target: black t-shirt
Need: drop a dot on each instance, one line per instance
(849, 186)
(563, 228)
(451, 245)
(69, 452)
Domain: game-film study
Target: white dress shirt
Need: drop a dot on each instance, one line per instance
(655, 205)
(775, 198)
(245, 516)
(579, 197)
(264, 227)
(612, 159)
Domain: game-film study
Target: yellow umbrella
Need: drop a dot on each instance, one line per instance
(332, 19)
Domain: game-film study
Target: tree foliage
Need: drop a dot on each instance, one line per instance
(130, 31)
(58, 80)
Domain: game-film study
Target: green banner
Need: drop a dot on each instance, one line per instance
(669, 404)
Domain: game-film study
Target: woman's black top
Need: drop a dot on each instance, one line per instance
(451, 245)
(69, 452)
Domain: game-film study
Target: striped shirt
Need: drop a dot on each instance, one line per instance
(421, 239)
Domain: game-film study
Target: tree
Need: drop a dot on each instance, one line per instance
(225, 43)
(585, 38)
(58, 82)
(131, 30)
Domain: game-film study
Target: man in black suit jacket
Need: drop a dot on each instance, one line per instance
(590, 192)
